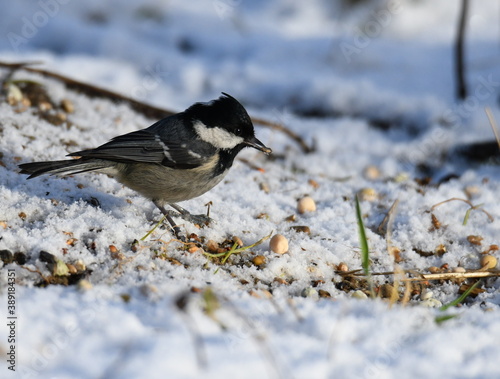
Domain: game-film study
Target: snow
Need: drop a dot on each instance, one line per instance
(334, 73)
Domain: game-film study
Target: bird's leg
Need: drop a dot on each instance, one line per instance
(200, 219)
(168, 215)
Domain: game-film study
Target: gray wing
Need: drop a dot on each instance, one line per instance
(146, 146)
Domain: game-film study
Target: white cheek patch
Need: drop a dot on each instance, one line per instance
(217, 136)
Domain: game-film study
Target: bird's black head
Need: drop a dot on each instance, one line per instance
(225, 124)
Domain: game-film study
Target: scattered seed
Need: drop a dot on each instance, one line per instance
(434, 270)
(67, 105)
(264, 216)
(22, 216)
(474, 240)
(367, 194)
(301, 229)
(259, 260)
(435, 222)
(324, 294)
(80, 266)
(440, 250)
(488, 261)
(14, 94)
(493, 248)
(358, 294)
(278, 244)
(211, 246)
(44, 106)
(431, 303)
(371, 172)
(471, 191)
(306, 204)
(458, 269)
(84, 285)
(342, 267)
(426, 294)
(291, 218)
(264, 187)
(71, 242)
(3, 224)
(280, 281)
(71, 268)
(386, 291)
(313, 183)
(310, 293)
(192, 248)
(237, 240)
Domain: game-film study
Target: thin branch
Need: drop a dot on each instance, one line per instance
(459, 51)
(147, 110)
(493, 124)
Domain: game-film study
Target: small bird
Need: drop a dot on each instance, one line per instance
(177, 158)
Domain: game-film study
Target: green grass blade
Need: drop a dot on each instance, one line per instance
(459, 299)
(363, 242)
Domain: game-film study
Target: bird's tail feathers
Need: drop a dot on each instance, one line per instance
(62, 168)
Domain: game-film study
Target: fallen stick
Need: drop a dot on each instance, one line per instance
(147, 110)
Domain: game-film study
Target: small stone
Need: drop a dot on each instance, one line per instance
(20, 258)
(259, 260)
(278, 244)
(367, 194)
(488, 261)
(46, 257)
(306, 204)
(60, 269)
(358, 294)
(6, 256)
(426, 294)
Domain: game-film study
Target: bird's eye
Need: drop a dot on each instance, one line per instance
(237, 132)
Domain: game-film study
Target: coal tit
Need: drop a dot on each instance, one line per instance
(177, 158)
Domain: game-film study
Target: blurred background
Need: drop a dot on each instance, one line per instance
(385, 61)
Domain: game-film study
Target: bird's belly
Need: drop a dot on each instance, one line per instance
(167, 184)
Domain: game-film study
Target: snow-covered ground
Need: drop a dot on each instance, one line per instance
(370, 85)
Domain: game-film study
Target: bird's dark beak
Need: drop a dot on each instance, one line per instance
(256, 144)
